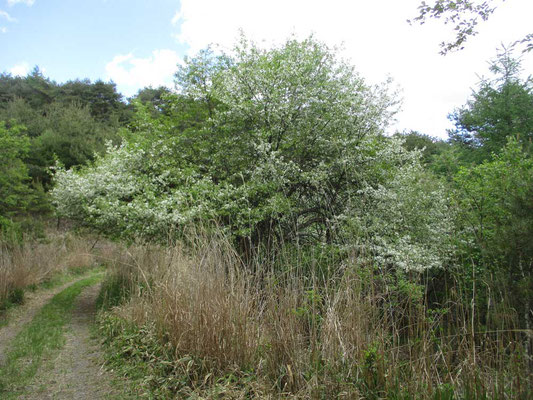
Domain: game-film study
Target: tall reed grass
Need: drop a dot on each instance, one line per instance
(300, 333)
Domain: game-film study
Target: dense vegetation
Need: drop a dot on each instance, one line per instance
(43, 123)
(280, 244)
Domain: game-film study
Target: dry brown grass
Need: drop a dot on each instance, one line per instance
(355, 336)
(35, 261)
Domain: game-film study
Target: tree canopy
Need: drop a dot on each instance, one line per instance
(282, 144)
(68, 122)
(500, 107)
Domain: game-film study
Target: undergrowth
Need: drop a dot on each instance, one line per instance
(151, 365)
(193, 322)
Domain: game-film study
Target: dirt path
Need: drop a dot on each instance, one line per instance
(76, 372)
(20, 316)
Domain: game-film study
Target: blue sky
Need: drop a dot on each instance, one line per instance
(71, 39)
(138, 43)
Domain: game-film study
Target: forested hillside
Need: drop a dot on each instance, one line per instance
(45, 124)
(272, 241)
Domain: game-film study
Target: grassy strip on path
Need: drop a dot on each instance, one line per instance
(40, 337)
(18, 297)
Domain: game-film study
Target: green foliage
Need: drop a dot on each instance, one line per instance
(273, 145)
(429, 146)
(39, 92)
(14, 297)
(499, 108)
(71, 135)
(67, 133)
(149, 363)
(15, 191)
(496, 220)
(102, 99)
(34, 88)
(492, 193)
(155, 99)
(438, 156)
(114, 292)
(19, 111)
(67, 122)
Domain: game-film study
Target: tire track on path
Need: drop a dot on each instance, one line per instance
(77, 372)
(20, 316)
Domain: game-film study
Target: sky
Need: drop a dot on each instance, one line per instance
(138, 43)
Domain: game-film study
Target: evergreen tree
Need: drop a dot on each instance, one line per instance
(501, 107)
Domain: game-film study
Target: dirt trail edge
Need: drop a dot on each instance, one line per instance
(77, 372)
(20, 316)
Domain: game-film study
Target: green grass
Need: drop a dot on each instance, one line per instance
(59, 278)
(14, 298)
(17, 297)
(153, 371)
(39, 339)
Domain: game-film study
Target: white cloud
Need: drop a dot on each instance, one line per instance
(3, 29)
(176, 18)
(375, 37)
(8, 17)
(21, 69)
(131, 73)
(27, 2)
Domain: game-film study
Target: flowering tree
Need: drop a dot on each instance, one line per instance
(274, 145)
